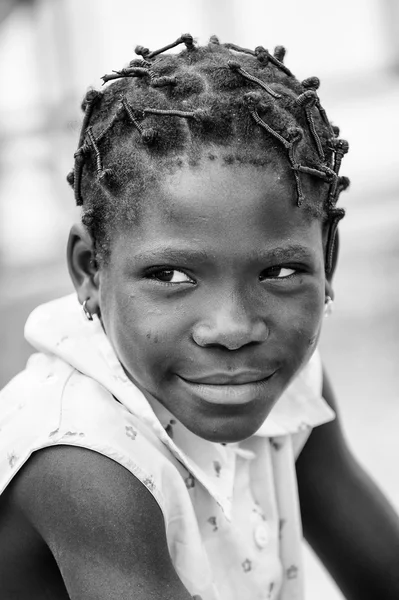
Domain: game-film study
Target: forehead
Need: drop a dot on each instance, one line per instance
(227, 208)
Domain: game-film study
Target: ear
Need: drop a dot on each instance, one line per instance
(83, 268)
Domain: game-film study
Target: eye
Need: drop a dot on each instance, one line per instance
(170, 276)
(277, 273)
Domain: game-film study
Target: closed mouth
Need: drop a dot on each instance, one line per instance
(241, 378)
(227, 393)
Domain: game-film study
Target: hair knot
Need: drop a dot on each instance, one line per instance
(311, 83)
(343, 183)
(336, 130)
(214, 40)
(343, 146)
(188, 39)
(142, 51)
(255, 100)
(88, 217)
(78, 156)
(149, 135)
(233, 65)
(105, 176)
(71, 178)
(279, 53)
(339, 145)
(307, 99)
(262, 55)
(294, 134)
(91, 97)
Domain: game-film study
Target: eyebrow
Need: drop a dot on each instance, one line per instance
(280, 253)
(172, 253)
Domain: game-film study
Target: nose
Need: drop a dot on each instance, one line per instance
(230, 324)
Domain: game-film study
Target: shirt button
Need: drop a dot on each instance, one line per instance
(262, 535)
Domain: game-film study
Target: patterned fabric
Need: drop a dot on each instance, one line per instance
(231, 510)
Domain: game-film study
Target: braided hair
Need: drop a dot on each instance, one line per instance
(167, 109)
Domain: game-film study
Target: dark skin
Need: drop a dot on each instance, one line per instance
(73, 523)
(346, 519)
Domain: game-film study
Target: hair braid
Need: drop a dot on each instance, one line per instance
(179, 104)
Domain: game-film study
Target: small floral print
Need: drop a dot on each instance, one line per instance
(271, 588)
(281, 524)
(213, 522)
(218, 467)
(149, 483)
(292, 572)
(12, 459)
(50, 377)
(62, 340)
(72, 434)
(130, 432)
(189, 481)
(259, 512)
(303, 426)
(53, 433)
(275, 445)
(247, 565)
(120, 376)
(169, 428)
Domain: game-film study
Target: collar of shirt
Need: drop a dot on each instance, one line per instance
(59, 327)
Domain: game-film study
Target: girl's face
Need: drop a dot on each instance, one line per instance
(215, 299)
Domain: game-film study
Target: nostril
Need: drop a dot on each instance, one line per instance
(231, 336)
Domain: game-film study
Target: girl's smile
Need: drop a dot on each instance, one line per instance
(227, 393)
(214, 299)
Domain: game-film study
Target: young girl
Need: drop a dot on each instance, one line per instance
(148, 450)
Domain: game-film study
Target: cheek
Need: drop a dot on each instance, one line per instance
(145, 338)
(300, 324)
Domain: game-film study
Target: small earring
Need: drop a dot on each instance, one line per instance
(86, 311)
(328, 306)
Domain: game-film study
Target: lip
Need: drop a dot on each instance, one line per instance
(235, 378)
(228, 394)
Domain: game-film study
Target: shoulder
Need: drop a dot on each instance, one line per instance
(63, 482)
(99, 521)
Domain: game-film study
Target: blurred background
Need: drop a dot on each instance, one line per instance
(51, 51)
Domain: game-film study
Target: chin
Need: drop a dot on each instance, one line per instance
(227, 438)
(229, 430)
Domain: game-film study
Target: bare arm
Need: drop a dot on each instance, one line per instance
(103, 526)
(346, 519)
